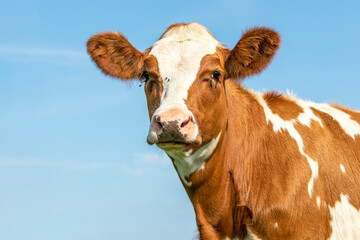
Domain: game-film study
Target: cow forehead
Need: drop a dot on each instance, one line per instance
(179, 52)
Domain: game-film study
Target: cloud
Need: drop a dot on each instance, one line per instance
(140, 164)
(36, 51)
(152, 159)
(35, 162)
(10, 162)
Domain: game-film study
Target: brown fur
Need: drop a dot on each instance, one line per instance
(252, 53)
(153, 87)
(115, 56)
(256, 177)
(283, 106)
(205, 101)
(270, 176)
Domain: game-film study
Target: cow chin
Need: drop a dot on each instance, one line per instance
(174, 140)
(181, 146)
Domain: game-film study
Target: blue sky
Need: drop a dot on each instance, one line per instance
(74, 163)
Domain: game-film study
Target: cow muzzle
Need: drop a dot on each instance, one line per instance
(173, 128)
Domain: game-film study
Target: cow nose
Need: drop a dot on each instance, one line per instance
(185, 122)
(171, 126)
(180, 120)
(158, 121)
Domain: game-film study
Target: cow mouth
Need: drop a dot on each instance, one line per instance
(171, 144)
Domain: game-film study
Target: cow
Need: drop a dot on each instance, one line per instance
(254, 165)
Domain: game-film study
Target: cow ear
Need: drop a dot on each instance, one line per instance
(115, 56)
(252, 53)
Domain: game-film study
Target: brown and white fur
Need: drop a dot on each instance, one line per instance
(254, 165)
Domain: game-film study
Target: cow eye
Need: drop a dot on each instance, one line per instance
(216, 75)
(145, 76)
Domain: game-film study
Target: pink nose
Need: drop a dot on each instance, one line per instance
(171, 126)
(180, 119)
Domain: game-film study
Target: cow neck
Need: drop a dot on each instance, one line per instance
(221, 189)
(246, 127)
(210, 175)
(236, 146)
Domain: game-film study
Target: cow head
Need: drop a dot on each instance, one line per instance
(185, 74)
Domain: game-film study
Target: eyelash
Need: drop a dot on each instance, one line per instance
(145, 79)
(215, 75)
(145, 76)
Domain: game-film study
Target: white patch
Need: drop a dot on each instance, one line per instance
(342, 168)
(187, 163)
(308, 115)
(250, 235)
(315, 172)
(280, 125)
(179, 53)
(276, 225)
(350, 127)
(318, 201)
(345, 220)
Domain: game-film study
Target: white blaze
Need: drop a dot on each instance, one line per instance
(179, 53)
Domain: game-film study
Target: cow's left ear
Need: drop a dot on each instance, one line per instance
(252, 53)
(115, 56)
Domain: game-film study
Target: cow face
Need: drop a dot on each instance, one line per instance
(185, 74)
(185, 93)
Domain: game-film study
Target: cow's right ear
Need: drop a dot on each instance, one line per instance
(115, 56)
(252, 53)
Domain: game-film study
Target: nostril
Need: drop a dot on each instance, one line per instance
(185, 122)
(158, 121)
